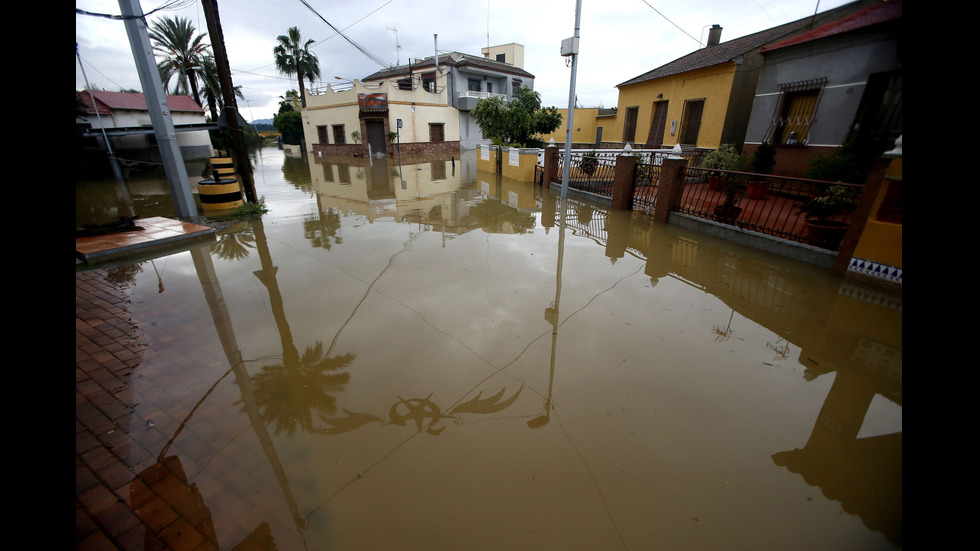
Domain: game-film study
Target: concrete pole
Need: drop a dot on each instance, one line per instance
(156, 103)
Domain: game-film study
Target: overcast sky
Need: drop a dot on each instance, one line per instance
(620, 39)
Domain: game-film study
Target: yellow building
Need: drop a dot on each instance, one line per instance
(703, 99)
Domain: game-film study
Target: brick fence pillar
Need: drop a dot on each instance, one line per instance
(671, 187)
(550, 164)
(624, 181)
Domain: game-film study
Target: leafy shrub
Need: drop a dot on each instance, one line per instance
(590, 162)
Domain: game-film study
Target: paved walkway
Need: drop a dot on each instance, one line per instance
(124, 497)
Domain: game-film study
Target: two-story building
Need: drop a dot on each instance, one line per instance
(465, 79)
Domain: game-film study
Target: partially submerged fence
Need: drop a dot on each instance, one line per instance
(776, 206)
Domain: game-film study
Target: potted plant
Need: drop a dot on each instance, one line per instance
(821, 228)
(589, 164)
(763, 161)
(733, 186)
(723, 158)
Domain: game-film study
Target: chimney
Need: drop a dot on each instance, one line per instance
(714, 35)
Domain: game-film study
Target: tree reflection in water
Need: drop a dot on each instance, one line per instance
(289, 394)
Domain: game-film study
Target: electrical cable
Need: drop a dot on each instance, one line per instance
(360, 48)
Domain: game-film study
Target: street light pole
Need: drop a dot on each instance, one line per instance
(569, 47)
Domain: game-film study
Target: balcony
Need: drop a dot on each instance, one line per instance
(467, 99)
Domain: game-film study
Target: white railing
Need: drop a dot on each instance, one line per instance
(480, 95)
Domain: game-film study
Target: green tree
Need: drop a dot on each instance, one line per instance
(517, 122)
(290, 125)
(182, 54)
(293, 57)
(212, 88)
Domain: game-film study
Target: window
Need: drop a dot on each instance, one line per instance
(473, 85)
(516, 84)
(691, 121)
(321, 134)
(429, 82)
(489, 87)
(795, 112)
(629, 126)
(338, 134)
(502, 58)
(655, 139)
(437, 132)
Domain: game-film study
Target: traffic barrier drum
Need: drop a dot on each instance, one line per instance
(220, 194)
(223, 167)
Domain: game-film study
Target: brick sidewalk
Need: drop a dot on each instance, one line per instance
(116, 508)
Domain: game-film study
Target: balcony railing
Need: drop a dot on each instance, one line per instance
(480, 95)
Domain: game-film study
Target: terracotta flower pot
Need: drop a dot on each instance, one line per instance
(826, 233)
(727, 214)
(757, 190)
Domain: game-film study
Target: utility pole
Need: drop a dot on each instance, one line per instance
(242, 161)
(569, 47)
(156, 104)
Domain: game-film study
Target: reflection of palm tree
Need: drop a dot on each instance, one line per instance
(321, 229)
(234, 245)
(491, 214)
(289, 394)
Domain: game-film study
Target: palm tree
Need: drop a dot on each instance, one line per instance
(212, 87)
(292, 58)
(182, 54)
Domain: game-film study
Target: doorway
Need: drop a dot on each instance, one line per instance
(376, 136)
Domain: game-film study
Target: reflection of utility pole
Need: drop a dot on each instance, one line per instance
(551, 315)
(226, 333)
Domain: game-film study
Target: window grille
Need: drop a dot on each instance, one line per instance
(795, 112)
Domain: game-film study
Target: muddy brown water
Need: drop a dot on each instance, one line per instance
(424, 356)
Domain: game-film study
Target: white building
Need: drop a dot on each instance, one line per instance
(126, 121)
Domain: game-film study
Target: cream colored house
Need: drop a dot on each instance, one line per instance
(358, 119)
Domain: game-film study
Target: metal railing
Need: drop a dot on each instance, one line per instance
(480, 95)
(765, 204)
(589, 173)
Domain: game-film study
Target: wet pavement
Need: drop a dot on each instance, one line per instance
(423, 356)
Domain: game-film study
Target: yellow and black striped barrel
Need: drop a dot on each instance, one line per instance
(223, 191)
(220, 194)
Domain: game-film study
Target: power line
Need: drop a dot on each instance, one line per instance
(171, 5)
(671, 22)
(360, 48)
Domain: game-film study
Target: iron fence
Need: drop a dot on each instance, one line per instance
(771, 205)
(589, 173)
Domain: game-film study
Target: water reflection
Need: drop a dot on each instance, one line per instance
(684, 376)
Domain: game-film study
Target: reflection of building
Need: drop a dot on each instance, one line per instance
(465, 79)
(126, 120)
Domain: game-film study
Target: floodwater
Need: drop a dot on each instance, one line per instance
(422, 356)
